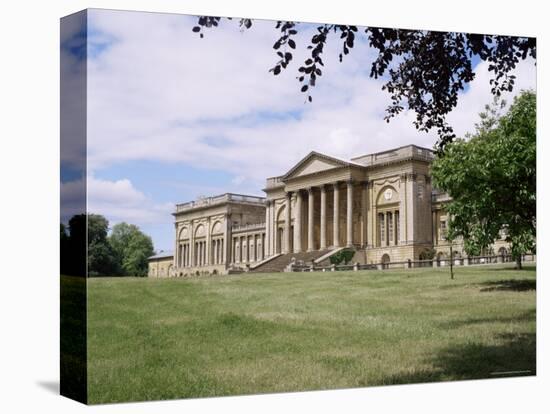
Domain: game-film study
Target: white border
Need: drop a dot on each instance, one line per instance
(29, 158)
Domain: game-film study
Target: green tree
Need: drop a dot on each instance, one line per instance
(492, 180)
(343, 256)
(131, 248)
(424, 70)
(101, 258)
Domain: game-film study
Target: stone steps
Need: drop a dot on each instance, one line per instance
(281, 262)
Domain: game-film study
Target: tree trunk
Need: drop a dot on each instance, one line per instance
(518, 262)
(451, 262)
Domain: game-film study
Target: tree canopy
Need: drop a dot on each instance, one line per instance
(491, 178)
(424, 70)
(101, 258)
(122, 253)
(131, 248)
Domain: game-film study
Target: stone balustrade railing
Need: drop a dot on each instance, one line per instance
(223, 198)
(408, 152)
(274, 182)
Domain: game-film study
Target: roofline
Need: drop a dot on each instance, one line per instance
(161, 255)
(393, 149)
(222, 194)
(344, 163)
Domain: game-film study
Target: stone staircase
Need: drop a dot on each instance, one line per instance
(279, 263)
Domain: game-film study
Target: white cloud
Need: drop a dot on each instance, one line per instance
(479, 94)
(162, 93)
(121, 201)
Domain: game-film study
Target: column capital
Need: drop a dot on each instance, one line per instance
(403, 176)
(336, 184)
(350, 181)
(309, 190)
(412, 176)
(428, 179)
(365, 183)
(323, 188)
(288, 195)
(268, 202)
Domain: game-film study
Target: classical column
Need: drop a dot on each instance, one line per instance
(310, 221)
(349, 218)
(227, 237)
(192, 243)
(411, 207)
(254, 248)
(323, 241)
(272, 230)
(286, 247)
(175, 262)
(371, 217)
(198, 255)
(396, 227)
(336, 216)
(267, 223)
(402, 236)
(364, 212)
(298, 223)
(207, 243)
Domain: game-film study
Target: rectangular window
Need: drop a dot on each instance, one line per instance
(443, 229)
(390, 228)
(397, 227)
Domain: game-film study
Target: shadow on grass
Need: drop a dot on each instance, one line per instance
(524, 317)
(526, 267)
(515, 356)
(516, 285)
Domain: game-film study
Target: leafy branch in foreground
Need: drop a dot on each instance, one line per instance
(424, 70)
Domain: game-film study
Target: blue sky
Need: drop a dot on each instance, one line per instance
(172, 117)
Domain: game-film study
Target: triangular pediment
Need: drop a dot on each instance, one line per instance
(313, 163)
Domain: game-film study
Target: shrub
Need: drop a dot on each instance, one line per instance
(345, 256)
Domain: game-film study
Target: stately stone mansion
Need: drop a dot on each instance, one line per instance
(381, 205)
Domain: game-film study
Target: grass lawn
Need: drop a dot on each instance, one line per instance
(153, 339)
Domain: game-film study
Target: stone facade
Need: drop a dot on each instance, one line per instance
(161, 265)
(215, 233)
(382, 205)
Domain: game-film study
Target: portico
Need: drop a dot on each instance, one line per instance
(314, 226)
